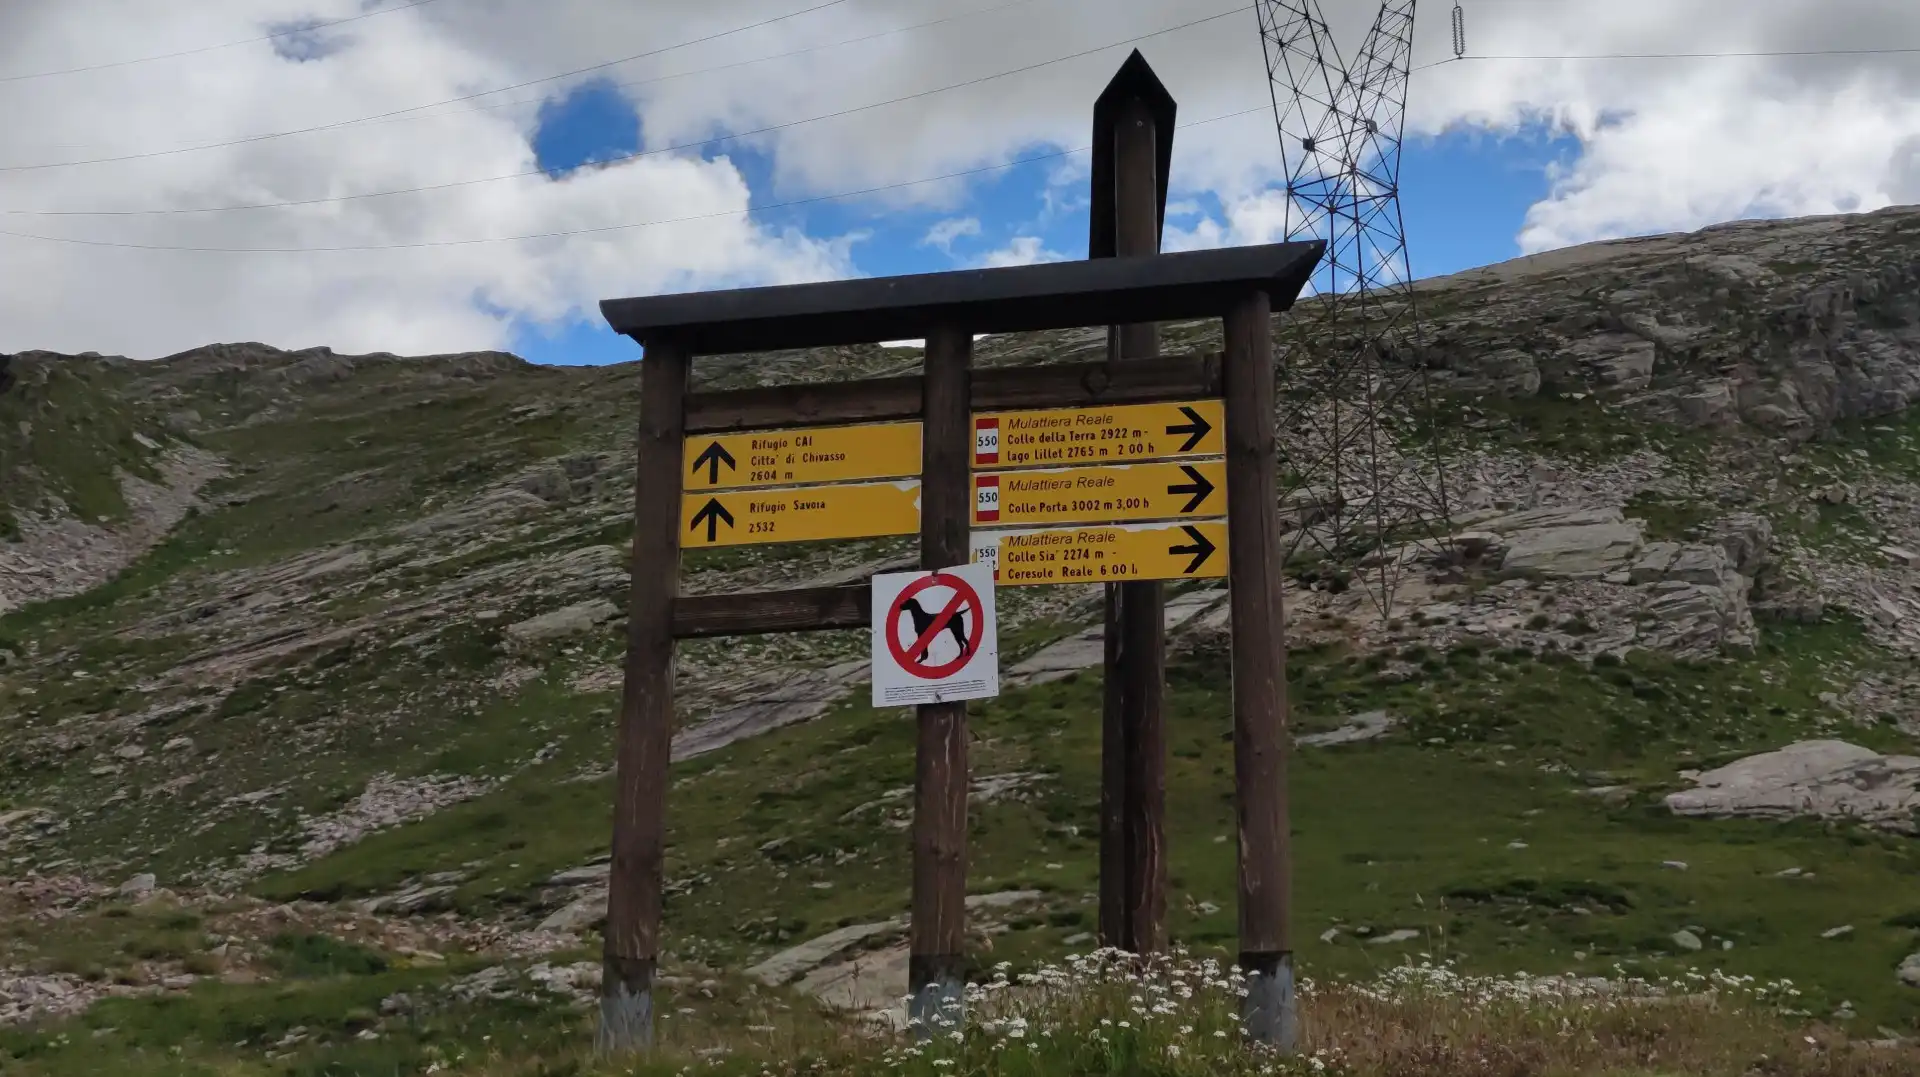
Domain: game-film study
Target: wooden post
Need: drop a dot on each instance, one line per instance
(1133, 878)
(632, 949)
(936, 962)
(1261, 741)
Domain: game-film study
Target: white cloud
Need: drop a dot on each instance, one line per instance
(1666, 144)
(150, 303)
(1020, 251)
(943, 233)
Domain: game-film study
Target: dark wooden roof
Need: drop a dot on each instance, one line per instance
(1013, 299)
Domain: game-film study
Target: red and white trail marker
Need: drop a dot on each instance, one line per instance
(986, 499)
(986, 441)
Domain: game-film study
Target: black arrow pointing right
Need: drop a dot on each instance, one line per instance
(1196, 427)
(711, 514)
(1201, 549)
(711, 458)
(1199, 487)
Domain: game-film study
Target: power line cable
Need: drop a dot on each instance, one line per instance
(749, 211)
(421, 108)
(306, 29)
(635, 155)
(1758, 54)
(525, 101)
(654, 79)
(626, 84)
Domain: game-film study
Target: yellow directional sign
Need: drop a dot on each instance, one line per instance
(1190, 550)
(788, 457)
(809, 514)
(1122, 433)
(1101, 494)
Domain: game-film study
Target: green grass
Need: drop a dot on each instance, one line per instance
(1669, 520)
(104, 944)
(1550, 422)
(223, 1029)
(67, 429)
(1410, 832)
(1887, 445)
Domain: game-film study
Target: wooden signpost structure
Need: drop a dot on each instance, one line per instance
(1132, 157)
(1132, 471)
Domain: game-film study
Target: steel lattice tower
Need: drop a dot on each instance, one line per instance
(1360, 469)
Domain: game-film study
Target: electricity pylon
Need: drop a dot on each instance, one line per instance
(1361, 472)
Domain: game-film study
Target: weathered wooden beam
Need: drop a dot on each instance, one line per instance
(937, 933)
(1057, 385)
(1007, 299)
(1139, 661)
(1261, 742)
(809, 609)
(631, 950)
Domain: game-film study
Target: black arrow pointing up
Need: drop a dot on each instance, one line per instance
(1199, 488)
(711, 514)
(1201, 549)
(1196, 427)
(711, 458)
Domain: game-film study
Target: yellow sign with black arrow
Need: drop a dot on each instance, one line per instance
(795, 457)
(1101, 494)
(808, 514)
(1114, 434)
(1187, 550)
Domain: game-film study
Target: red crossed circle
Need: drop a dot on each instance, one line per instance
(964, 598)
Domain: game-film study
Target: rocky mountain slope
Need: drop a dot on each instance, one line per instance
(336, 638)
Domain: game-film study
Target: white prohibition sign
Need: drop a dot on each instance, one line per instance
(935, 637)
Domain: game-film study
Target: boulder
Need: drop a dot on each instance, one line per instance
(1566, 543)
(1910, 971)
(138, 886)
(1747, 539)
(583, 913)
(1691, 618)
(410, 901)
(1709, 404)
(799, 960)
(1694, 599)
(1828, 779)
(1360, 727)
(574, 620)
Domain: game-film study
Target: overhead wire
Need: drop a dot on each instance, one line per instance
(627, 84)
(146, 155)
(636, 154)
(306, 28)
(1727, 55)
(731, 136)
(749, 211)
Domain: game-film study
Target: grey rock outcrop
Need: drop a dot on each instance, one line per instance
(1579, 543)
(1695, 595)
(1827, 308)
(1747, 539)
(1828, 779)
(574, 620)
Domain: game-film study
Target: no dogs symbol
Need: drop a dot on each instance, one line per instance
(934, 637)
(934, 626)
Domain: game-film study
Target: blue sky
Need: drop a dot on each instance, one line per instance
(1465, 198)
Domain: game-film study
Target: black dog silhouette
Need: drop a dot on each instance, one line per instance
(922, 620)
